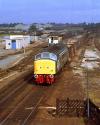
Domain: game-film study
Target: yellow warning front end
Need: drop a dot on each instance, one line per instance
(44, 66)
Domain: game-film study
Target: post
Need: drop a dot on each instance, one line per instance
(88, 105)
(24, 50)
(57, 106)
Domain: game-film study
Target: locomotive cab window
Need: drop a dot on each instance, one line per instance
(45, 55)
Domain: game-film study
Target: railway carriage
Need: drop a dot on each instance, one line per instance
(49, 62)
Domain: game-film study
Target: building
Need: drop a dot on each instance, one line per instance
(54, 39)
(17, 41)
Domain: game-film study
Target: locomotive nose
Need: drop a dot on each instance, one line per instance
(44, 67)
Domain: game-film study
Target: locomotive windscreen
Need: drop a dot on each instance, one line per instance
(46, 55)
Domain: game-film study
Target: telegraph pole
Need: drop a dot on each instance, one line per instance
(87, 84)
(24, 49)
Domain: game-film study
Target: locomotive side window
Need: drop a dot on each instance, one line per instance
(38, 56)
(53, 56)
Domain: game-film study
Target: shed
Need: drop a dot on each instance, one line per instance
(17, 42)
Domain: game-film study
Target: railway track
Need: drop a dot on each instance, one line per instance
(8, 96)
(15, 84)
(25, 110)
(21, 107)
(20, 102)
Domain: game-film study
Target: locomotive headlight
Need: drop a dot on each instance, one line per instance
(51, 76)
(35, 76)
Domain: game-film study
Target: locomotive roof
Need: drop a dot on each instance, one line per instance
(56, 49)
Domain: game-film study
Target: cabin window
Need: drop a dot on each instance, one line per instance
(38, 56)
(53, 56)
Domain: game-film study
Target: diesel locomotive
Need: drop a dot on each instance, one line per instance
(49, 62)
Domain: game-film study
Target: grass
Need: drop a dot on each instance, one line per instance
(4, 34)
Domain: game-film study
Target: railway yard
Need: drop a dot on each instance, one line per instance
(23, 102)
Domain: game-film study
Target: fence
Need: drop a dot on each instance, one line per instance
(78, 108)
(70, 107)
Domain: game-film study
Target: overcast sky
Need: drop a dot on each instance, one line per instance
(60, 11)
